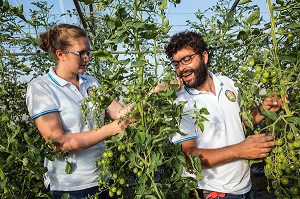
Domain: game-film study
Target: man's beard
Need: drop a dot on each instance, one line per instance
(200, 74)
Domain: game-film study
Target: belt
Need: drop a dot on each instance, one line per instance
(215, 194)
(206, 194)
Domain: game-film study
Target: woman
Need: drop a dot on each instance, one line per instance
(53, 101)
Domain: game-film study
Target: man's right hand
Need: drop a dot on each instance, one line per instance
(162, 86)
(257, 146)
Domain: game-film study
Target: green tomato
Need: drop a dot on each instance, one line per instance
(284, 181)
(141, 163)
(135, 170)
(251, 61)
(120, 148)
(280, 31)
(294, 190)
(119, 191)
(264, 80)
(122, 158)
(129, 144)
(290, 36)
(257, 69)
(110, 154)
(296, 144)
(272, 73)
(114, 189)
(105, 154)
(140, 173)
(292, 167)
(266, 74)
(290, 136)
(114, 176)
(244, 68)
(121, 181)
(279, 142)
(111, 194)
(268, 167)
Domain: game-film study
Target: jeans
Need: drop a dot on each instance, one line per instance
(248, 195)
(80, 193)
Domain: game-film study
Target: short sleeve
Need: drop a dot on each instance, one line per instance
(187, 127)
(39, 100)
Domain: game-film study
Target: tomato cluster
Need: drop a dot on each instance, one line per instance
(283, 165)
(115, 157)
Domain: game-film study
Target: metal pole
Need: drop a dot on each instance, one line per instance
(77, 6)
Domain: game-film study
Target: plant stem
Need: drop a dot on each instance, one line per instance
(276, 59)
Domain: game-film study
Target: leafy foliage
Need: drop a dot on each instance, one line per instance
(142, 158)
(22, 149)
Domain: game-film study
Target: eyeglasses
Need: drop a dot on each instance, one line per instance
(83, 54)
(185, 60)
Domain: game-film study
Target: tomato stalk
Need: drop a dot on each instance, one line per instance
(141, 67)
(276, 59)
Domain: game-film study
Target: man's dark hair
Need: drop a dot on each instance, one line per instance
(186, 39)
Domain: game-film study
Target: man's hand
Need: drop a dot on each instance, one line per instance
(257, 146)
(272, 104)
(162, 86)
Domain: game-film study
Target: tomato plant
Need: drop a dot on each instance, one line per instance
(262, 58)
(144, 160)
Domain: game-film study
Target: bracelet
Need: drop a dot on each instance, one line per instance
(259, 110)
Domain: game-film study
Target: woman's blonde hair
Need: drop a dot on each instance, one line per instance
(59, 37)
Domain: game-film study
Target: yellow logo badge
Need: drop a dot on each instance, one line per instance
(230, 95)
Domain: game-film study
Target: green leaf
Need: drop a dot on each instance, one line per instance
(163, 5)
(19, 12)
(3, 183)
(204, 111)
(148, 34)
(169, 92)
(66, 196)
(293, 119)
(177, 171)
(103, 55)
(242, 35)
(137, 25)
(271, 115)
(293, 25)
(253, 19)
(291, 59)
(196, 166)
(138, 63)
(148, 139)
(140, 137)
(142, 179)
(4, 118)
(110, 24)
(244, 2)
(247, 119)
(68, 167)
(181, 159)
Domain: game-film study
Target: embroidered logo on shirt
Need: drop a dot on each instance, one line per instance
(230, 95)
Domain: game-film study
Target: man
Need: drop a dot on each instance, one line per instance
(222, 146)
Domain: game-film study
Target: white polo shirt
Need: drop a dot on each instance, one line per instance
(50, 93)
(223, 128)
